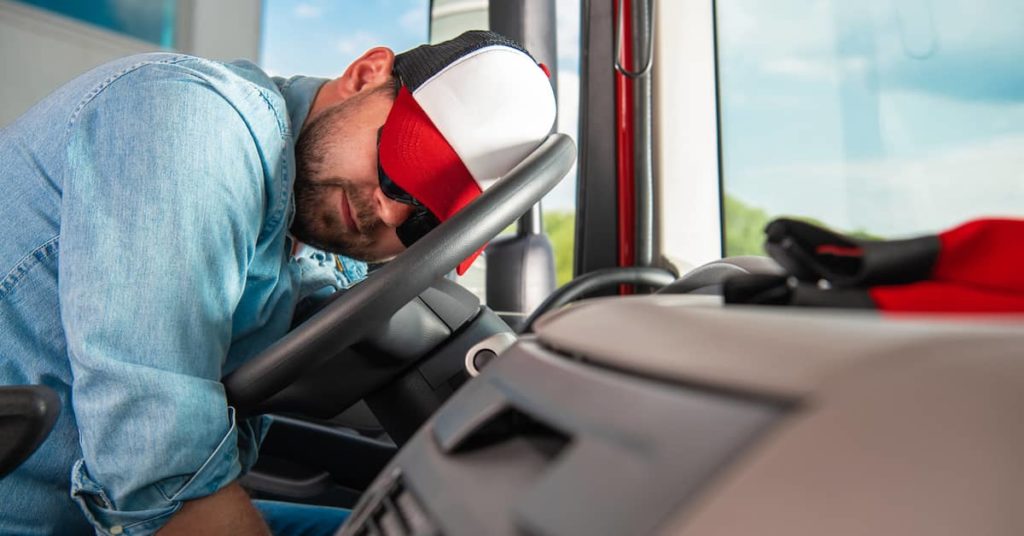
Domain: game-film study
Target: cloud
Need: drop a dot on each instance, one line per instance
(941, 47)
(414, 20)
(568, 101)
(356, 44)
(773, 29)
(307, 11)
(900, 196)
(567, 15)
(967, 75)
(563, 196)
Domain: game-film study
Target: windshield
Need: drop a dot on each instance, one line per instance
(883, 117)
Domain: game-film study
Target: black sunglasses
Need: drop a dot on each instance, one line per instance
(417, 226)
(420, 222)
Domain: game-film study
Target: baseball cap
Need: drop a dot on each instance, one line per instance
(467, 111)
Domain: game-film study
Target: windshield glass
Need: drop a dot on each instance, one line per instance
(884, 117)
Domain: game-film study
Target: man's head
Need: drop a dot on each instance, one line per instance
(434, 126)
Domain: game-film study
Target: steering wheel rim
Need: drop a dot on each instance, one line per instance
(347, 319)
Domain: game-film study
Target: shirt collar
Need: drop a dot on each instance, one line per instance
(299, 92)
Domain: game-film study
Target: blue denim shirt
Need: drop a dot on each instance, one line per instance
(144, 255)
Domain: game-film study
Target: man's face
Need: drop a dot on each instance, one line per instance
(339, 206)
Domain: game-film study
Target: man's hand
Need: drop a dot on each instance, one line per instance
(229, 511)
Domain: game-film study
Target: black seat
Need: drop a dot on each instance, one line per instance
(27, 415)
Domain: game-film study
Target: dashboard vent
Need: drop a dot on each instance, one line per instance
(392, 511)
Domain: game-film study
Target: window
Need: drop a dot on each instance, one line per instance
(152, 21)
(449, 18)
(883, 117)
(452, 17)
(559, 206)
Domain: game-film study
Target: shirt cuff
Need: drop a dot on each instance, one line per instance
(251, 432)
(144, 511)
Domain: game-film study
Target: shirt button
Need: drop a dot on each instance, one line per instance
(116, 529)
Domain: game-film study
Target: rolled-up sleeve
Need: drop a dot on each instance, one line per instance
(161, 210)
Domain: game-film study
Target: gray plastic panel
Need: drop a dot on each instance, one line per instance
(715, 273)
(780, 352)
(543, 445)
(520, 272)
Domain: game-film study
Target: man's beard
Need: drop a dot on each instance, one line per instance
(317, 215)
(318, 221)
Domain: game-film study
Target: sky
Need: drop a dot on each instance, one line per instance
(892, 116)
(321, 38)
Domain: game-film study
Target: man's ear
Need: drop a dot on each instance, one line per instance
(372, 69)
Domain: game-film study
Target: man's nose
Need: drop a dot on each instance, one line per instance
(391, 212)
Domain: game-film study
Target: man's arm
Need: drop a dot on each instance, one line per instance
(161, 210)
(229, 511)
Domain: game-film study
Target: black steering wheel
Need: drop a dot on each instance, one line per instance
(353, 315)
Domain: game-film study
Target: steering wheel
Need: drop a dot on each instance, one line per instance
(354, 314)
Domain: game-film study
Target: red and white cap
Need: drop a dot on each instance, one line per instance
(467, 111)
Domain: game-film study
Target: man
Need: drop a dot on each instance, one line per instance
(146, 215)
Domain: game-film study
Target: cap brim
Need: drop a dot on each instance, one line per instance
(418, 159)
(464, 265)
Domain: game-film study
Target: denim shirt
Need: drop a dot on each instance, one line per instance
(144, 210)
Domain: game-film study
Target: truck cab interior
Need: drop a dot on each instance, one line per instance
(630, 399)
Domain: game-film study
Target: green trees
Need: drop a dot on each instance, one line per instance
(560, 227)
(744, 233)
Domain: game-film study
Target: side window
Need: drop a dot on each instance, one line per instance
(152, 21)
(449, 18)
(559, 207)
(452, 17)
(49, 42)
(883, 117)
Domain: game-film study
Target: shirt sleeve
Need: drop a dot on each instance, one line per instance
(162, 206)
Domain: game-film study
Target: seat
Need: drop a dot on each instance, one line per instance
(27, 415)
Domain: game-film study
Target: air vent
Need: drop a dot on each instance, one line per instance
(392, 511)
